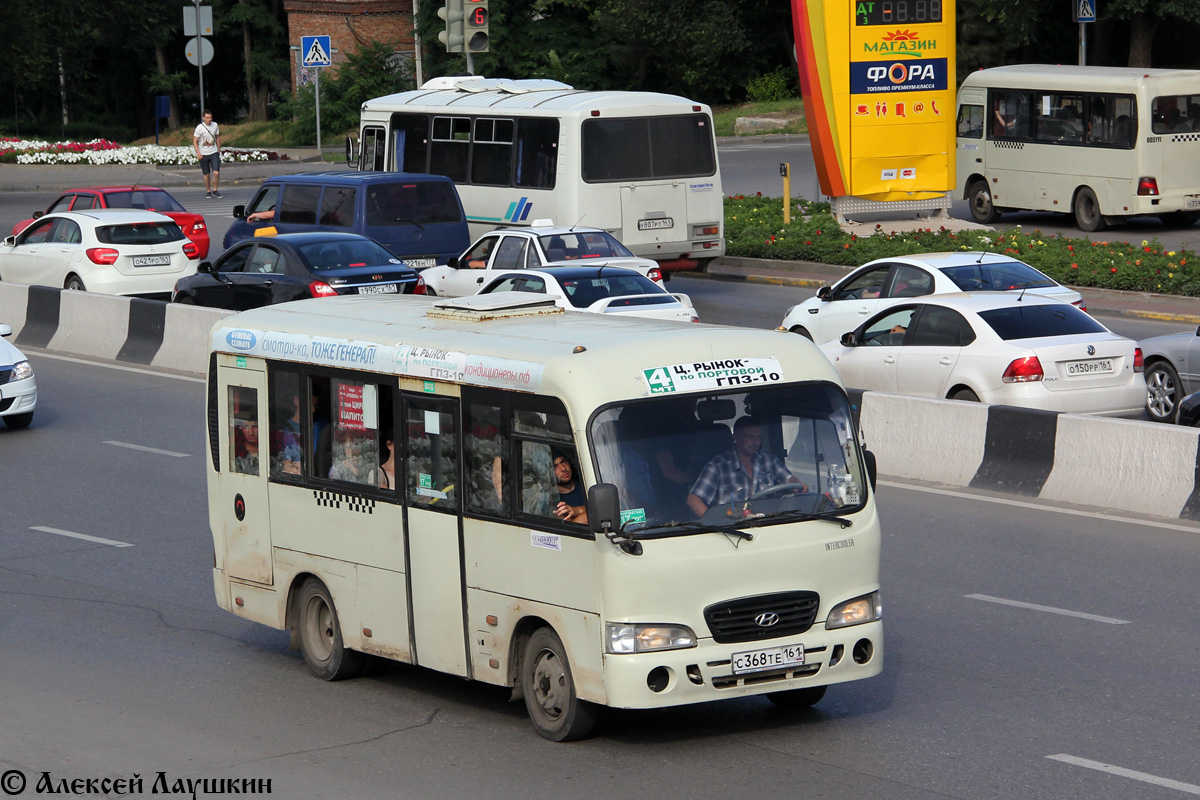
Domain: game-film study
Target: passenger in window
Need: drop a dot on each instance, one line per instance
(572, 501)
(245, 458)
(387, 469)
(738, 474)
(1194, 116)
(285, 443)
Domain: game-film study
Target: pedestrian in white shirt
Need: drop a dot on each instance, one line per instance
(206, 141)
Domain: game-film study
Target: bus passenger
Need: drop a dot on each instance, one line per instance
(738, 474)
(572, 502)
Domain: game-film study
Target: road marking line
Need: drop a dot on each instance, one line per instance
(1026, 504)
(84, 536)
(42, 354)
(1047, 609)
(1145, 777)
(144, 449)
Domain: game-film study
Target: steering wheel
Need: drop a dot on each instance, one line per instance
(782, 490)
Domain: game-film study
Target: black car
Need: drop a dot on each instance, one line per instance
(295, 266)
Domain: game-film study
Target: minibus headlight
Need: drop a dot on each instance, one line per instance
(867, 608)
(628, 638)
(20, 371)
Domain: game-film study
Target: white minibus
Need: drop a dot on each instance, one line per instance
(1100, 143)
(641, 165)
(501, 491)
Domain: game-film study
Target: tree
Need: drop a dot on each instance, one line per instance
(264, 50)
(1144, 18)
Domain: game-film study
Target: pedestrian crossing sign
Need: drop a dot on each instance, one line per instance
(317, 51)
(1085, 10)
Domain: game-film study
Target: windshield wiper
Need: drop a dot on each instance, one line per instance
(796, 515)
(706, 528)
(410, 221)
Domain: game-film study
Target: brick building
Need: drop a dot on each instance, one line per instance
(348, 23)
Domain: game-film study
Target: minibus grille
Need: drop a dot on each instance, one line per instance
(767, 616)
(4, 375)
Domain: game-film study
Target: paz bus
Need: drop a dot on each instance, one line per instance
(640, 165)
(387, 477)
(1100, 143)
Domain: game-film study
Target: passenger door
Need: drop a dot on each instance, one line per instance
(217, 290)
(242, 477)
(928, 357)
(297, 208)
(472, 269)
(23, 264)
(432, 494)
(255, 286)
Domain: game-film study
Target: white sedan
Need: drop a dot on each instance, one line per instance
(600, 290)
(885, 282)
(540, 245)
(997, 348)
(18, 389)
(110, 251)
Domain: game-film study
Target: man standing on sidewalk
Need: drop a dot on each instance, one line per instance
(206, 141)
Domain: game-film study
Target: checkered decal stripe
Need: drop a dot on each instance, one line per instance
(1186, 137)
(363, 505)
(1011, 145)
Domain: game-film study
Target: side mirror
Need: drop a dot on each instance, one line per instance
(37, 214)
(1198, 330)
(351, 151)
(5, 330)
(204, 266)
(604, 508)
(824, 292)
(453, 262)
(10, 241)
(872, 467)
(239, 212)
(848, 339)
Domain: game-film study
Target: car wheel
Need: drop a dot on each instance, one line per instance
(321, 635)
(74, 284)
(556, 711)
(429, 292)
(18, 421)
(965, 395)
(1162, 392)
(185, 300)
(980, 199)
(1087, 211)
(797, 698)
(803, 331)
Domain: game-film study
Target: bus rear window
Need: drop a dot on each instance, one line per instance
(140, 233)
(1176, 114)
(647, 148)
(1038, 321)
(420, 203)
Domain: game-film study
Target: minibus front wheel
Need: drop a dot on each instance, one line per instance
(980, 198)
(321, 635)
(554, 708)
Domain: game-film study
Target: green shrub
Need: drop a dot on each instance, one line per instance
(782, 84)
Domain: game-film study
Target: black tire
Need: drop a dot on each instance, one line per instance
(702, 265)
(795, 699)
(966, 395)
(74, 284)
(18, 421)
(429, 292)
(1179, 219)
(802, 331)
(321, 635)
(983, 210)
(556, 711)
(185, 300)
(1162, 392)
(1087, 211)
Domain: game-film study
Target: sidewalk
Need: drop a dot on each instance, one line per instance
(812, 275)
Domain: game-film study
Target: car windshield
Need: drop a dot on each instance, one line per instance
(347, 253)
(658, 451)
(582, 292)
(582, 244)
(1001, 276)
(149, 199)
(139, 233)
(1028, 321)
(421, 203)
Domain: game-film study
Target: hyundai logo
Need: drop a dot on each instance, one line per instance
(767, 619)
(1091, 349)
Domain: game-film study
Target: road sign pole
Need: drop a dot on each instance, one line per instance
(317, 94)
(199, 56)
(1083, 44)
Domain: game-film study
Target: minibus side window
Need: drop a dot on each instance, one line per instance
(337, 206)
(487, 457)
(970, 121)
(431, 444)
(1009, 117)
(287, 421)
(537, 153)
(243, 430)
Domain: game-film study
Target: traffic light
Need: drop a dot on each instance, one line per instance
(477, 26)
(454, 36)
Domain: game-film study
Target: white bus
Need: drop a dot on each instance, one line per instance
(385, 479)
(1100, 143)
(640, 165)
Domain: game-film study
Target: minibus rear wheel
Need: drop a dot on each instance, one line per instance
(321, 635)
(556, 711)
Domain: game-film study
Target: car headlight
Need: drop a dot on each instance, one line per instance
(20, 371)
(628, 638)
(867, 608)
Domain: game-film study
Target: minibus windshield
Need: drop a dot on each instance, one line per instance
(775, 454)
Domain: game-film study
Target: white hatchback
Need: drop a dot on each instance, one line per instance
(599, 290)
(110, 251)
(996, 348)
(885, 282)
(18, 389)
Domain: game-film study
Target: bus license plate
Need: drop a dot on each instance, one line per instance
(421, 263)
(791, 655)
(655, 224)
(383, 288)
(1097, 367)
(1193, 201)
(151, 261)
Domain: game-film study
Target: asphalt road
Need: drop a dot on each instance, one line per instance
(1031, 653)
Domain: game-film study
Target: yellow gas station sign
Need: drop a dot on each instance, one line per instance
(879, 80)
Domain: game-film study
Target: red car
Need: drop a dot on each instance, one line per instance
(139, 197)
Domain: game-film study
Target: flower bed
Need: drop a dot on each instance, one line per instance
(102, 151)
(754, 228)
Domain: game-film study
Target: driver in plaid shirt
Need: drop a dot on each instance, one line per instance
(737, 474)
